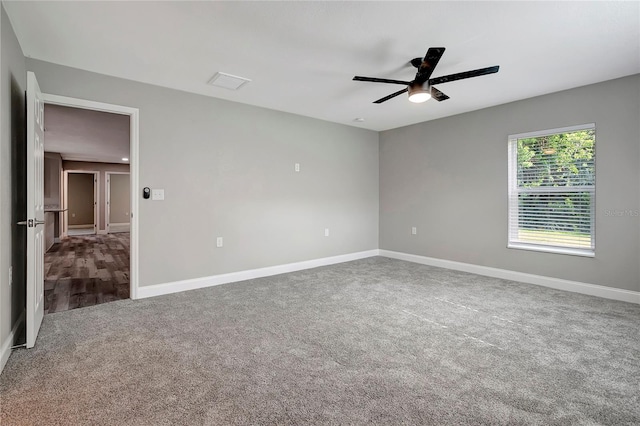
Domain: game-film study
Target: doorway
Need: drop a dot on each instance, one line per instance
(87, 267)
(111, 262)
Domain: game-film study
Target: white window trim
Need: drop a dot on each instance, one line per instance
(513, 201)
(550, 132)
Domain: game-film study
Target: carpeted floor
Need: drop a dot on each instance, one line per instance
(375, 341)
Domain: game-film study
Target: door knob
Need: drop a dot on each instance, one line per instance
(31, 223)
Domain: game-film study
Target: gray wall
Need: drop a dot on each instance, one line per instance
(13, 83)
(448, 177)
(228, 170)
(119, 198)
(102, 169)
(80, 199)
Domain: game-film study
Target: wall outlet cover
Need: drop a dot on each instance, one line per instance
(157, 194)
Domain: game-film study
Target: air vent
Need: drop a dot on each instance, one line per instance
(228, 81)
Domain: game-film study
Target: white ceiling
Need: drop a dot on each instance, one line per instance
(85, 135)
(301, 56)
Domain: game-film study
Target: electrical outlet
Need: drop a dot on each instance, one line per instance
(414, 231)
(10, 275)
(157, 194)
(296, 167)
(219, 242)
(326, 232)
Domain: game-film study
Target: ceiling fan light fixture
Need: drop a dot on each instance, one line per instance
(419, 93)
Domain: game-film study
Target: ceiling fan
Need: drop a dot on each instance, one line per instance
(421, 87)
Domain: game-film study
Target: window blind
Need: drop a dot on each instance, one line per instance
(552, 190)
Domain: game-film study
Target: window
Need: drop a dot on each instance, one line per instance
(552, 190)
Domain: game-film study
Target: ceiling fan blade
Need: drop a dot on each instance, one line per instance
(463, 75)
(380, 80)
(438, 95)
(429, 63)
(393, 95)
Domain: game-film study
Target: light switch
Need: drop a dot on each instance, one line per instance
(157, 194)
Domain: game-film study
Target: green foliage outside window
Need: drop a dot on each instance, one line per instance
(565, 159)
(546, 165)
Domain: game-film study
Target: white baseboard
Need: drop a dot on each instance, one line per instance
(177, 286)
(102, 232)
(556, 283)
(89, 225)
(5, 350)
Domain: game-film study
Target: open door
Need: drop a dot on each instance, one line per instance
(35, 209)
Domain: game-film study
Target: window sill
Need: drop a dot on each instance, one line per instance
(551, 249)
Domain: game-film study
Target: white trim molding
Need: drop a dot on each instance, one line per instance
(5, 350)
(178, 286)
(555, 283)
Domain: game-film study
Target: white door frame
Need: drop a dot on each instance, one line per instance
(107, 209)
(65, 199)
(134, 138)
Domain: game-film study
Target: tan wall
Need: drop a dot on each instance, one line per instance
(49, 229)
(120, 198)
(80, 198)
(52, 195)
(52, 179)
(102, 169)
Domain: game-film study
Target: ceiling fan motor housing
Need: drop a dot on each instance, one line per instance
(419, 92)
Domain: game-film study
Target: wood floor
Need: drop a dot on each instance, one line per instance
(86, 270)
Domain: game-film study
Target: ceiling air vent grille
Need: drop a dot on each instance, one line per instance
(228, 81)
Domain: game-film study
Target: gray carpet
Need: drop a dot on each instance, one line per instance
(375, 341)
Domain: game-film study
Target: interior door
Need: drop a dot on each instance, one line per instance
(35, 209)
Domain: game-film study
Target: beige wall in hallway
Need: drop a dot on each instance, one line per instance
(80, 199)
(52, 179)
(120, 198)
